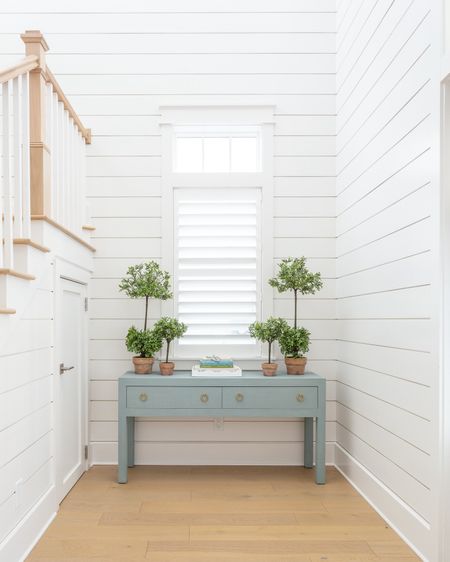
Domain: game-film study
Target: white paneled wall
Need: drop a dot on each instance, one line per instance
(384, 372)
(117, 70)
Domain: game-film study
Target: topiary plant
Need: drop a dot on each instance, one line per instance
(268, 331)
(294, 342)
(293, 275)
(146, 280)
(144, 343)
(169, 329)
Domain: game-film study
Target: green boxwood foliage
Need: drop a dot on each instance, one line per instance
(144, 343)
(268, 331)
(146, 280)
(294, 342)
(169, 329)
(293, 275)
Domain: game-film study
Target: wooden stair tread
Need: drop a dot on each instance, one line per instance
(7, 311)
(14, 273)
(32, 243)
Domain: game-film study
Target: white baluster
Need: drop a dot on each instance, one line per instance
(26, 210)
(50, 143)
(62, 162)
(56, 154)
(8, 259)
(17, 151)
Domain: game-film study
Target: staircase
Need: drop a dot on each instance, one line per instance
(43, 171)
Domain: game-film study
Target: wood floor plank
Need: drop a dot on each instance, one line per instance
(217, 514)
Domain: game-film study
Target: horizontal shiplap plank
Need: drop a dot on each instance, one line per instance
(304, 207)
(161, 22)
(304, 166)
(412, 460)
(407, 241)
(115, 349)
(376, 355)
(409, 396)
(188, 430)
(408, 272)
(307, 227)
(125, 207)
(399, 45)
(139, 248)
(198, 84)
(407, 211)
(128, 166)
(407, 180)
(122, 186)
(269, 454)
(414, 302)
(412, 492)
(315, 186)
(181, 63)
(403, 424)
(398, 335)
(115, 329)
(175, 6)
(150, 104)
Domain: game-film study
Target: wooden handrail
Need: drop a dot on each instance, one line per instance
(25, 65)
(86, 133)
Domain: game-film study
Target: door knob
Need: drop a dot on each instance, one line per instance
(63, 369)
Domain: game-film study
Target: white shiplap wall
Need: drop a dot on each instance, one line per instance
(384, 269)
(118, 62)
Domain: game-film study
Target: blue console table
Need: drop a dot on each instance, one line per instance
(252, 395)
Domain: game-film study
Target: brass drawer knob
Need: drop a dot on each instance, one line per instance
(143, 397)
(300, 397)
(204, 398)
(239, 397)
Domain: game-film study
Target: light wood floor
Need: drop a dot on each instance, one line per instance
(217, 514)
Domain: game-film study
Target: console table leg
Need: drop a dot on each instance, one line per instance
(123, 450)
(308, 442)
(130, 432)
(320, 449)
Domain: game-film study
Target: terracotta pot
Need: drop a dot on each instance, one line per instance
(295, 365)
(142, 365)
(166, 368)
(269, 369)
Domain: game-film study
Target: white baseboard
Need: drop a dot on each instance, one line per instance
(399, 516)
(20, 542)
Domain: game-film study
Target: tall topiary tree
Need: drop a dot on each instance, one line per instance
(148, 281)
(293, 275)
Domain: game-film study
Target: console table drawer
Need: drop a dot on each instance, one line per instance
(179, 397)
(270, 398)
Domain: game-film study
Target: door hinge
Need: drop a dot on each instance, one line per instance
(86, 304)
(86, 451)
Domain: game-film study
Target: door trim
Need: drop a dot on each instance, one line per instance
(64, 271)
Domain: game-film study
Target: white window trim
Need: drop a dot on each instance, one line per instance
(262, 116)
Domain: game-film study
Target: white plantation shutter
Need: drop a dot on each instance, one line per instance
(217, 270)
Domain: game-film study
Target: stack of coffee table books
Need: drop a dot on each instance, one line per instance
(214, 366)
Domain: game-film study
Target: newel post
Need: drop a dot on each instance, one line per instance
(40, 196)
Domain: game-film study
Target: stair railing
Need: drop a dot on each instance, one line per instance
(43, 152)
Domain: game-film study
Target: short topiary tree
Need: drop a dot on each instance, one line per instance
(293, 275)
(268, 331)
(144, 343)
(169, 329)
(148, 281)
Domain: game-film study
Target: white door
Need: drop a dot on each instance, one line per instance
(70, 386)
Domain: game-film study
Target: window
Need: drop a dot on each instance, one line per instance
(217, 269)
(217, 150)
(217, 216)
